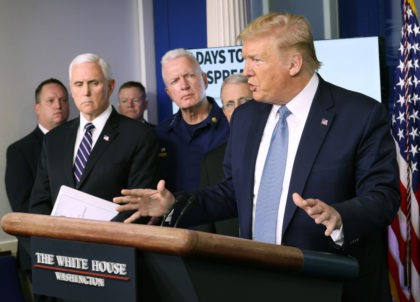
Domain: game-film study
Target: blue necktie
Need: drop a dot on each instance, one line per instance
(267, 206)
(83, 152)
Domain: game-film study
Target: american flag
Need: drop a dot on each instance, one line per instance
(404, 232)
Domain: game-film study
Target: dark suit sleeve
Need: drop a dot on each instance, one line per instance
(143, 171)
(377, 185)
(214, 202)
(19, 179)
(21, 163)
(205, 172)
(212, 167)
(40, 200)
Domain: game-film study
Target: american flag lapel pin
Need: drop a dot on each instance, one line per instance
(106, 137)
(324, 122)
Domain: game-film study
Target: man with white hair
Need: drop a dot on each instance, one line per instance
(117, 151)
(197, 128)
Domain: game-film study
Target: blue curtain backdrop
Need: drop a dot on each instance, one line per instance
(361, 18)
(178, 24)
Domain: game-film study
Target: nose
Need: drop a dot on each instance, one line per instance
(86, 89)
(247, 69)
(184, 83)
(57, 103)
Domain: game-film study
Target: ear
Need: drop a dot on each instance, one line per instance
(111, 86)
(296, 62)
(205, 79)
(36, 108)
(169, 93)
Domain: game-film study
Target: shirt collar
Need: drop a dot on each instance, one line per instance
(213, 119)
(99, 121)
(300, 105)
(43, 129)
(216, 113)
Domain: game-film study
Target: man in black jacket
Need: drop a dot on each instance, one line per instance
(51, 109)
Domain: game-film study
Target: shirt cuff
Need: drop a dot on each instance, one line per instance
(338, 236)
(168, 218)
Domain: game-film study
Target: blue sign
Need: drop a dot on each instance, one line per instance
(83, 271)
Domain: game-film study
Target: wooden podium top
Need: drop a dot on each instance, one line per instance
(181, 242)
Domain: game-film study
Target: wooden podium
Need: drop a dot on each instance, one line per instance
(185, 265)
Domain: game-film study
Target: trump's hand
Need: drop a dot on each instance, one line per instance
(146, 202)
(320, 212)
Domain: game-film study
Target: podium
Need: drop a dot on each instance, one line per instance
(186, 265)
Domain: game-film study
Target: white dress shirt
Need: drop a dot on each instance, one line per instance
(43, 129)
(299, 107)
(98, 122)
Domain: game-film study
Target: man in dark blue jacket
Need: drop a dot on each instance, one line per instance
(197, 128)
(340, 188)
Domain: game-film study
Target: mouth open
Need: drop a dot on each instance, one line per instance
(252, 87)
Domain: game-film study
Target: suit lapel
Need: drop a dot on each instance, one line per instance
(68, 161)
(318, 123)
(254, 137)
(39, 135)
(107, 136)
(257, 120)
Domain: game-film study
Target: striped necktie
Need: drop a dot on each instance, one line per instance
(83, 152)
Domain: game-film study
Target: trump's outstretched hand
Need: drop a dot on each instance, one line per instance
(320, 212)
(145, 202)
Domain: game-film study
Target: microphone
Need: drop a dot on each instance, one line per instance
(184, 210)
(180, 198)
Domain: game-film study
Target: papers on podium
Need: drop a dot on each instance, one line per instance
(76, 204)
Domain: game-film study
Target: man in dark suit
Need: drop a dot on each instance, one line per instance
(233, 93)
(123, 154)
(51, 109)
(132, 101)
(340, 188)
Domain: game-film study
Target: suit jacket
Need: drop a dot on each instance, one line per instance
(125, 156)
(346, 158)
(212, 173)
(212, 166)
(21, 166)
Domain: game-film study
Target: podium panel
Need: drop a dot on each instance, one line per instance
(185, 265)
(193, 279)
(82, 271)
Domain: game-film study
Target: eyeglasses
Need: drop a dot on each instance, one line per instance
(231, 105)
